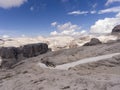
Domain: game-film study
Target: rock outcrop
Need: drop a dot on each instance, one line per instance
(11, 55)
(116, 30)
(32, 50)
(9, 52)
(94, 41)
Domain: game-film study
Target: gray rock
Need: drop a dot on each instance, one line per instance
(9, 56)
(93, 41)
(32, 50)
(116, 30)
(9, 52)
(12, 55)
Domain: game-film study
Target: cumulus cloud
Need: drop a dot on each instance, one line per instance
(105, 25)
(77, 12)
(67, 29)
(53, 24)
(54, 33)
(111, 1)
(109, 10)
(11, 3)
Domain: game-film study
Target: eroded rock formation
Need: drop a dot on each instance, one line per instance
(10, 55)
(32, 50)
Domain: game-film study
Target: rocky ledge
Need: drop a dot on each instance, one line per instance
(12, 55)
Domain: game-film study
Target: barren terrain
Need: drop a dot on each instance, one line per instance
(101, 75)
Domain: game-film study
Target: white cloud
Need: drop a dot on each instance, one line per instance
(67, 29)
(82, 12)
(105, 25)
(11, 3)
(111, 1)
(93, 12)
(53, 24)
(54, 33)
(109, 10)
(77, 12)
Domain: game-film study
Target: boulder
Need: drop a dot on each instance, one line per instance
(116, 30)
(32, 50)
(9, 56)
(9, 52)
(94, 41)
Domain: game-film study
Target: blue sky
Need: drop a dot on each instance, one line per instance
(57, 17)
